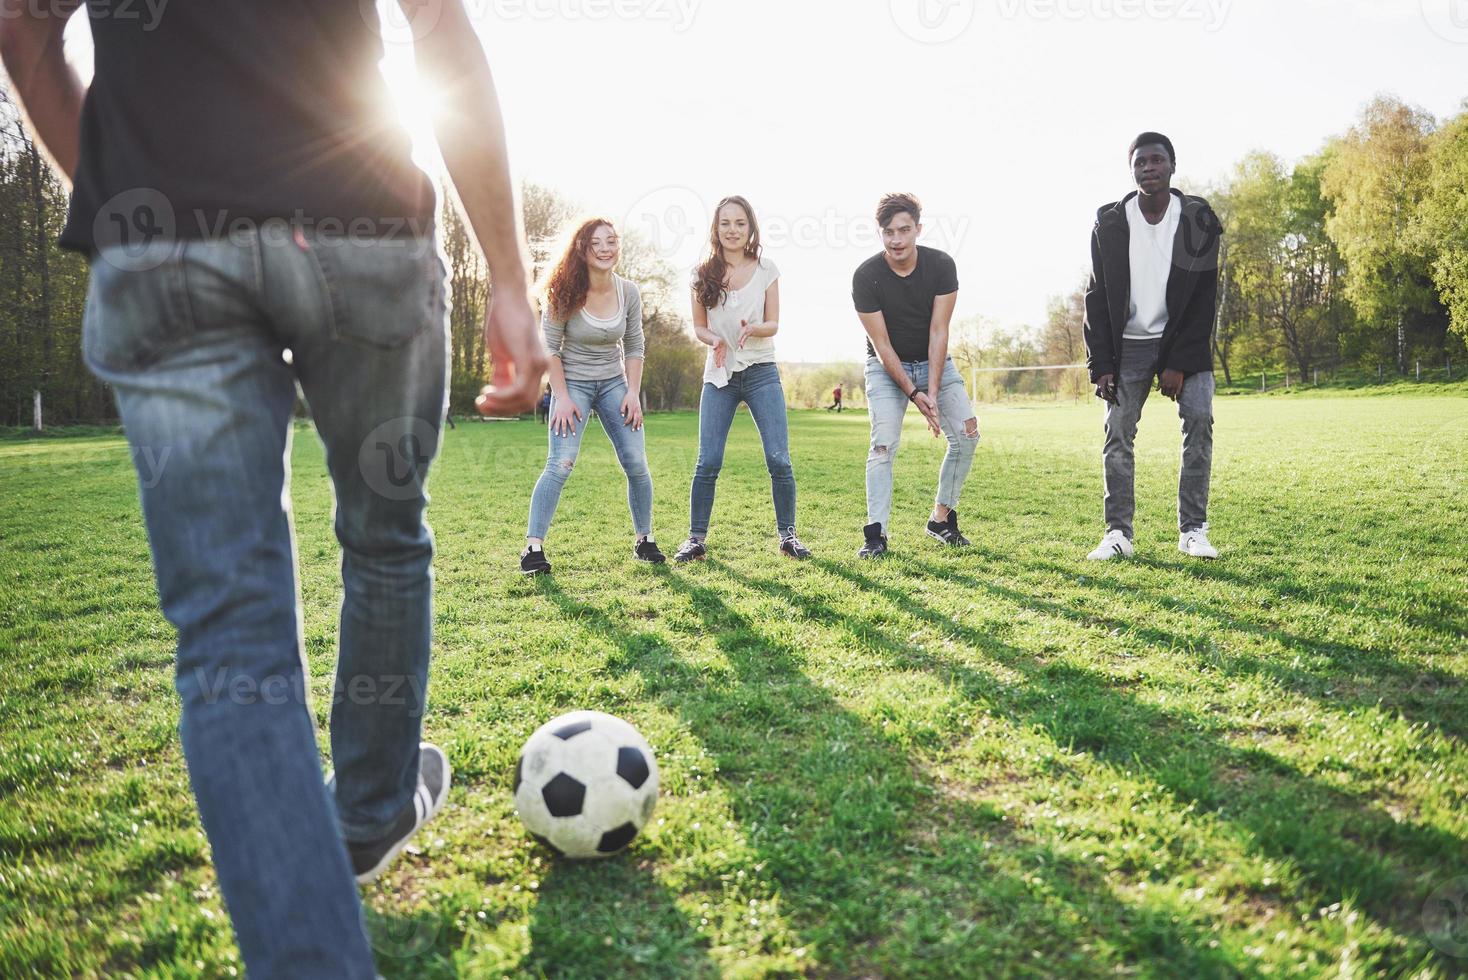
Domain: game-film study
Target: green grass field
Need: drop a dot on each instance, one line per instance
(1001, 761)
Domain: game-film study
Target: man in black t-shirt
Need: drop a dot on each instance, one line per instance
(253, 225)
(905, 296)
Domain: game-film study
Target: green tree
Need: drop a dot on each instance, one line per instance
(1374, 182)
(1440, 227)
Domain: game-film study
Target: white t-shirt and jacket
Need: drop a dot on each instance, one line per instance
(743, 305)
(1149, 252)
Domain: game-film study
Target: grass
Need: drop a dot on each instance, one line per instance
(1001, 761)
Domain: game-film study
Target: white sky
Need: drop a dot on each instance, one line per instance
(1009, 118)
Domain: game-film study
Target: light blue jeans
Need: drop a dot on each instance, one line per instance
(191, 337)
(887, 405)
(605, 397)
(758, 386)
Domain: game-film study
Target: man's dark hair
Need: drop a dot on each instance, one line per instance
(1147, 139)
(891, 205)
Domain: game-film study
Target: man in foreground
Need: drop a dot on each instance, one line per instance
(253, 224)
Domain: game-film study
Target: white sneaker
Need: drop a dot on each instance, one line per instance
(1195, 543)
(1114, 545)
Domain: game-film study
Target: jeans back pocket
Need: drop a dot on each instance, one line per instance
(384, 292)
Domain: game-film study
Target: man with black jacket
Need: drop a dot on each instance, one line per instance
(1150, 306)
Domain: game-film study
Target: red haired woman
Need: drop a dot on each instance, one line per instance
(593, 331)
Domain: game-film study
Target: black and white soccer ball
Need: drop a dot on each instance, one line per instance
(585, 784)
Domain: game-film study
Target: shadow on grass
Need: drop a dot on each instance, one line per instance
(612, 918)
(1345, 845)
(1375, 678)
(876, 871)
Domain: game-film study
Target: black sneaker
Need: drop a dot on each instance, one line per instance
(791, 547)
(876, 545)
(533, 561)
(371, 858)
(647, 550)
(947, 531)
(692, 550)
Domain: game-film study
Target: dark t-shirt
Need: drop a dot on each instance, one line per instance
(906, 303)
(222, 111)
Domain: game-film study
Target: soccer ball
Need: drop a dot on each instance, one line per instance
(585, 784)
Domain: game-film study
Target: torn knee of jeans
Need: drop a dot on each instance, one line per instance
(565, 464)
(880, 450)
(971, 429)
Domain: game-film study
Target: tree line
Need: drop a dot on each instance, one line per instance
(1355, 257)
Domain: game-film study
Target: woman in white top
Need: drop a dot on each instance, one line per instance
(593, 332)
(736, 312)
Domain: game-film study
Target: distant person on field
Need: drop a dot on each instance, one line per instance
(1150, 306)
(542, 407)
(238, 193)
(905, 296)
(835, 399)
(736, 312)
(593, 330)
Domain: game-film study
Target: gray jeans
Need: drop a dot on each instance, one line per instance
(1194, 407)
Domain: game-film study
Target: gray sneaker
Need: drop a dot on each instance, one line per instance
(371, 858)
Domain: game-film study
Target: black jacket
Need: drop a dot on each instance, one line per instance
(1192, 289)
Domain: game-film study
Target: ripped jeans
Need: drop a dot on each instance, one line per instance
(888, 405)
(605, 398)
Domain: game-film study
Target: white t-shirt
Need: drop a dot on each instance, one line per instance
(1149, 251)
(744, 304)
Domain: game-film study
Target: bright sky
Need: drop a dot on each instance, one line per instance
(1009, 118)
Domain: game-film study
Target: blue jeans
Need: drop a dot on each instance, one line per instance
(192, 342)
(758, 386)
(606, 398)
(887, 405)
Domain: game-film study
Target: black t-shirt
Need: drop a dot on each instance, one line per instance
(227, 111)
(906, 303)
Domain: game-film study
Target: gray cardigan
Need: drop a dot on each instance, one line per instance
(590, 352)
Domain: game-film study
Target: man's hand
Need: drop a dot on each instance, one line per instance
(929, 408)
(632, 410)
(1172, 383)
(517, 354)
(1106, 388)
